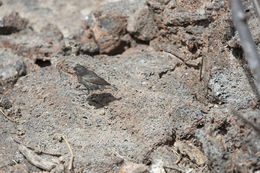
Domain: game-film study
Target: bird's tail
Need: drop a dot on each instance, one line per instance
(113, 87)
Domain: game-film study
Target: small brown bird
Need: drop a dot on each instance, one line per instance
(90, 79)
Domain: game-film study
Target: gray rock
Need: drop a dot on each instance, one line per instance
(12, 67)
(142, 25)
(231, 87)
(5, 102)
(89, 48)
(214, 151)
(108, 25)
(186, 119)
(128, 127)
(182, 17)
(12, 23)
(222, 136)
(34, 45)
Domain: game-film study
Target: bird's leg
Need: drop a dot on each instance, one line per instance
(86, 93)
(83, 90)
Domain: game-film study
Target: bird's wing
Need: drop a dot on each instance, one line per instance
(94, 78)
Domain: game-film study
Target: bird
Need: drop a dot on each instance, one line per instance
(90, 79)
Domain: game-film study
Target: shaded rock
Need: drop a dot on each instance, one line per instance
(186, 119)
(33, 45)
(12, 23)
(5, 102)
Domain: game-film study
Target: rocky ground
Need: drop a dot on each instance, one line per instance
(183, 85)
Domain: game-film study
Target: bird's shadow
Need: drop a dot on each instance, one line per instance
(101, 100)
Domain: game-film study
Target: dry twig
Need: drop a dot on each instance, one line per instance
(10, 119)
(257, 7)
(174, 168)
(246, 40)
(35, 159)
(38, 151)
(71, 154)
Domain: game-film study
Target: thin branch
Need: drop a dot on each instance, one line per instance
(71, 154)
(174, 168)
(246, 40)
(257, 8)
(7, 117)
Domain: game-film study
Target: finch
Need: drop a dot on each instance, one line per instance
(90, 79)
